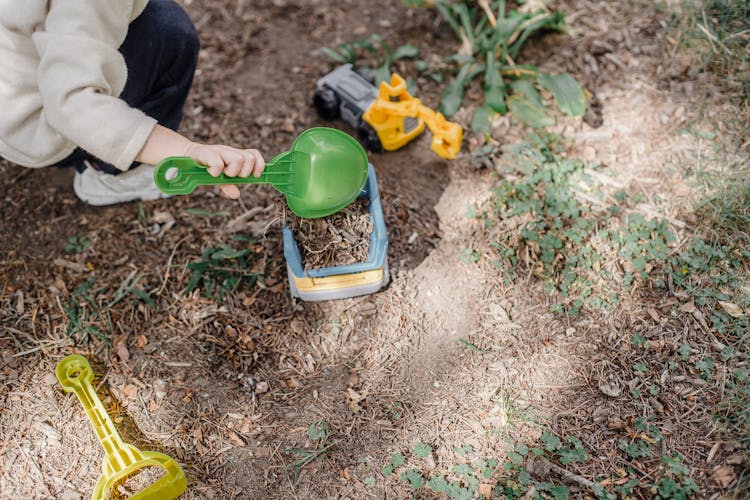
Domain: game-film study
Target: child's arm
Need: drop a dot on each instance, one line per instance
(164, 142)
(80, 75)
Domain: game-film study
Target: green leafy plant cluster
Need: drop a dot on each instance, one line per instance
(735, 412)
(464, 487)
(491, 38)
(318, 433)
(518, 476)
(223, 269)
(380, 54)
(516, 481)
(725, 270)
(510, 479)
(674, 482)
(572, 244)
(642, 242)
(565, 241)
(86, 316)
(77, 244)
(556, 229)
(714, 269)
(89, 309)
(640, 447)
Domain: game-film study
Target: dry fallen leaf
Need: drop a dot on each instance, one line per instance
(723, 475)
(688, 307)
(615, 423)
(53, 435)
(292, 383)
(354, 395)
(654, 314)
(141, 341)
(20, 308)
(298, 325)
(732, 309)
(72, 266)
(244, 426)
(611, 388)
(122, 349)
(345, 474)
(354, 398)
(354, 407)
(162, 217)
(287, 125)
(128, 391)
(485, 490)
(353, 378)
(247, 342)
(236, 439)
(736, 459)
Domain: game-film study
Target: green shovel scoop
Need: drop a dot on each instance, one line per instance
(322, 173)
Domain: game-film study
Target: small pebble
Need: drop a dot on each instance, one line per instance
(49, 379)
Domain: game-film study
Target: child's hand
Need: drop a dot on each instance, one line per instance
(163, 142)
(231, 161)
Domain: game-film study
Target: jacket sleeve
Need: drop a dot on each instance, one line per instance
(81, 75)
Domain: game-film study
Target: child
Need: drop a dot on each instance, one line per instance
(100, 85)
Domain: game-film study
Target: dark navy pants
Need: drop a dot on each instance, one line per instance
(161, 52)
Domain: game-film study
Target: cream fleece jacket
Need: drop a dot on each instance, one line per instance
(60, 78)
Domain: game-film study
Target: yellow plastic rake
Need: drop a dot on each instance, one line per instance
(121, 460)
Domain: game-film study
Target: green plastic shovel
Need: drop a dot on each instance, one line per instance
(323, 172)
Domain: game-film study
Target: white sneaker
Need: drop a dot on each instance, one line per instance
(99, 188)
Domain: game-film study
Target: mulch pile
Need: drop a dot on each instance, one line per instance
(337, 240)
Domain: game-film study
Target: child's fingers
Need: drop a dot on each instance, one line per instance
(258, 162)
(247, 164)
(230, 191)
(234, 162)
(212, 159)
(216, 169)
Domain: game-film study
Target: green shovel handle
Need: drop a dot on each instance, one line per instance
(182, 174)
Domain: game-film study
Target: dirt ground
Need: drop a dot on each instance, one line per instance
(229, 388)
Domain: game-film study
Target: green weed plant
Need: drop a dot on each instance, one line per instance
(491, 37)
(380, 54)
(223, 269)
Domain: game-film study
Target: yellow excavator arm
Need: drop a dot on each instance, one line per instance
(390, 112)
